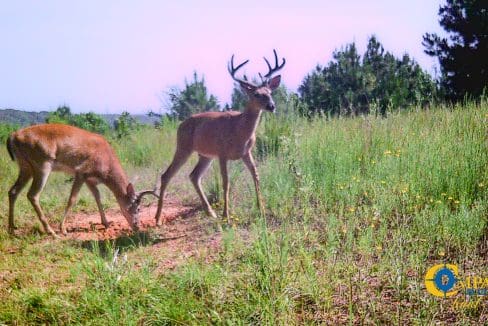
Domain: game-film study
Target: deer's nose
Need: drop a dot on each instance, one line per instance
(271, 107)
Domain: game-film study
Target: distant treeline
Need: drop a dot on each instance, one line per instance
(26, 118)
(117, 125)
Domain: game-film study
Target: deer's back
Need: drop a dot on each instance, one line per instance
(70, 149)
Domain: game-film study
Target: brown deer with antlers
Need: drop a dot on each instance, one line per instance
(41, 149)
(226, 135)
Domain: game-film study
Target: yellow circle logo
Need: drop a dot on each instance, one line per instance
(440, 280)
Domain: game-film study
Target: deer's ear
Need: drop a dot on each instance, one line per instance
(274, 82)
(130, 190)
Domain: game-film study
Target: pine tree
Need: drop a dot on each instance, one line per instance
(194, 98)
(462, 57)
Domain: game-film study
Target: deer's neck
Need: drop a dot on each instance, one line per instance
(250, 120)
(117, 182)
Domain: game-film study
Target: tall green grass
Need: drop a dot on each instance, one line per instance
(357, 210)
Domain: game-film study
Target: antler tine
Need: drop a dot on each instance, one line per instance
(146, 192)
(277, 66)
(153, 192)
(232, 70)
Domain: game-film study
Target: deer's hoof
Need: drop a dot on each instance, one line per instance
(211, 213)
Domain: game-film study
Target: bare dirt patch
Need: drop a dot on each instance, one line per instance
(184, 234)
(88, 226)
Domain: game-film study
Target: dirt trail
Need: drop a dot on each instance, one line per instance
(182, 235)
(88, 226)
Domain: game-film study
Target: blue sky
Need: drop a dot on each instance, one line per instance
(111, 56)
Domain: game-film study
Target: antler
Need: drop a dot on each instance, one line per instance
(271, 71)
(232, 71)
(153, 192)
(144, 193)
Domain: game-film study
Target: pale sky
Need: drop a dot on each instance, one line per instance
(111, 56)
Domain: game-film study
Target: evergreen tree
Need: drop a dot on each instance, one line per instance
(349, 85)
(193, 99)
(238, 99)
(124, 124)
(61, 115)
(462, 57)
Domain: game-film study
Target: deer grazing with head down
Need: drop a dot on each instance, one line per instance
(41, 149)
(228, 135)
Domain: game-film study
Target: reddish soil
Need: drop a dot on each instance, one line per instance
(88, 226)
(183, 234)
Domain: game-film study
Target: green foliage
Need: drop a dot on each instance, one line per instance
(89, 121)
(462, 57)
(61, 115)
(238, 99)
(194, 98)
(349, 85)
(5, 130)
(273, 131)
(356, 211)
(125, 124)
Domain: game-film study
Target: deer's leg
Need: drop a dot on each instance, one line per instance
(196, 178)
(38, 183)
(225, 182)
(24, 177)
(181, 156)
(251, 166)
(75, 189)
(94, 190)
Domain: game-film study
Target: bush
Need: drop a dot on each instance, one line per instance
(89, 121)
(5, 130)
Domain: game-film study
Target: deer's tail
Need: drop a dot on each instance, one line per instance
(9, 148)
